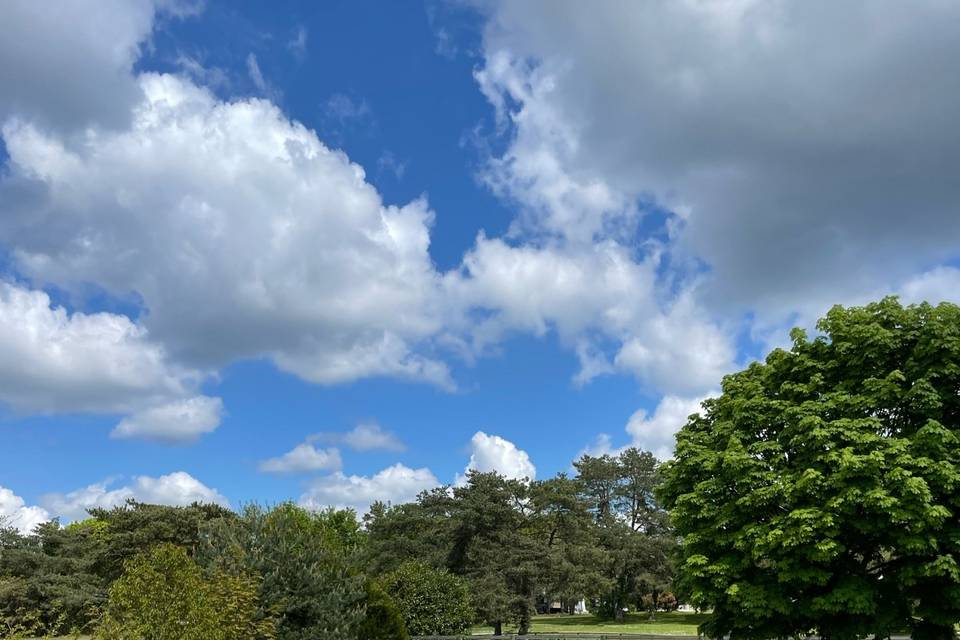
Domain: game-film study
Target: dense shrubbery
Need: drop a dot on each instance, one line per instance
(433, 602)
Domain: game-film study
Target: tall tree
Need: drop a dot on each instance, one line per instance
(819, 492)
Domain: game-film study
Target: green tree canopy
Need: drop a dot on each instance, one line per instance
(821, 491)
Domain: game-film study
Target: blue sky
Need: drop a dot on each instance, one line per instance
(337, 252)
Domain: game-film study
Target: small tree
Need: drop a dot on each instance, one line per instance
(163, 595)
(433, 602)
(819, 492)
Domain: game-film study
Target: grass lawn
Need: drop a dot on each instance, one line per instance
(666, 623)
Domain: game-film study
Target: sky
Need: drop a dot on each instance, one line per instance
(342, 252)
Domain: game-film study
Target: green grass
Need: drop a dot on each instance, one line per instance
(684, 624)
(681, 624)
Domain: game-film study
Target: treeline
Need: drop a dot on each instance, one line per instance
(492, 550)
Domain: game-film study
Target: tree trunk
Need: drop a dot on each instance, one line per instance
(653, 604)
(617, 610)
(498, 628)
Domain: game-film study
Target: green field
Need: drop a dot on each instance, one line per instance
(666, 623)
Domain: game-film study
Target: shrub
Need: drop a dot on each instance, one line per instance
(431, 601)
(383, 620)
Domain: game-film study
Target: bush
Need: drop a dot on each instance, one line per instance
(163, 595)
(383, 620)
(431, 601)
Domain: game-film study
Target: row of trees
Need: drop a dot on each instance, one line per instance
(818, 494)
(491, 550)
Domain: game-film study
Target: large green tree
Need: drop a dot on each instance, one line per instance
(820, 493)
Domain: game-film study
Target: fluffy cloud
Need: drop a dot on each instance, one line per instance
(363, 437)
(655, 433)
(303, 458)
(55, 361)
(14, 512)
(592, 295)
(493, 453)
(177, 422)
(394, 485)
(175, 489)
(937, 285)
(241, 232)
(768, 131)
(73, 68)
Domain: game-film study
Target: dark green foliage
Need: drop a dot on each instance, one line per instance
(136, 527)
(163, 595)
(308, 565)
(48, 583)
(821, 491)
(383, 620)
(630, 527)
(432, 602)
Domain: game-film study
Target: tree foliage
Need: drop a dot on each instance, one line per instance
(432, 602)
(163, 595)
(820, 493)
(310, 579)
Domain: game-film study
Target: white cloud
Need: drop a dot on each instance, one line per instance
(177, 422)
(298, 43)
(53, 361)
(655, 433)
(363, 437)
(493, 453)
(14, 512)
(592, 296)
(175, 489)
(259, 81)
(727, 114)
(71, 66)
(396, 484)
(241, 232)
(934, 286)
(303, 458)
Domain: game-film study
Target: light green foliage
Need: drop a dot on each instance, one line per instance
(821, 491)
(431, 601)
(308, 565)
(163, 595)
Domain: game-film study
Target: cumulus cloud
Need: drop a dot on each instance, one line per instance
(74, 67)
(303, 458)
(725, 114)
(493, 453)
(177, 422)
(175, 489)
(937, 285)
(14, 512)
(395, 485)
(655, 432)
(241, 232)
(592, 296)
(363, 437)
(55, 361)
